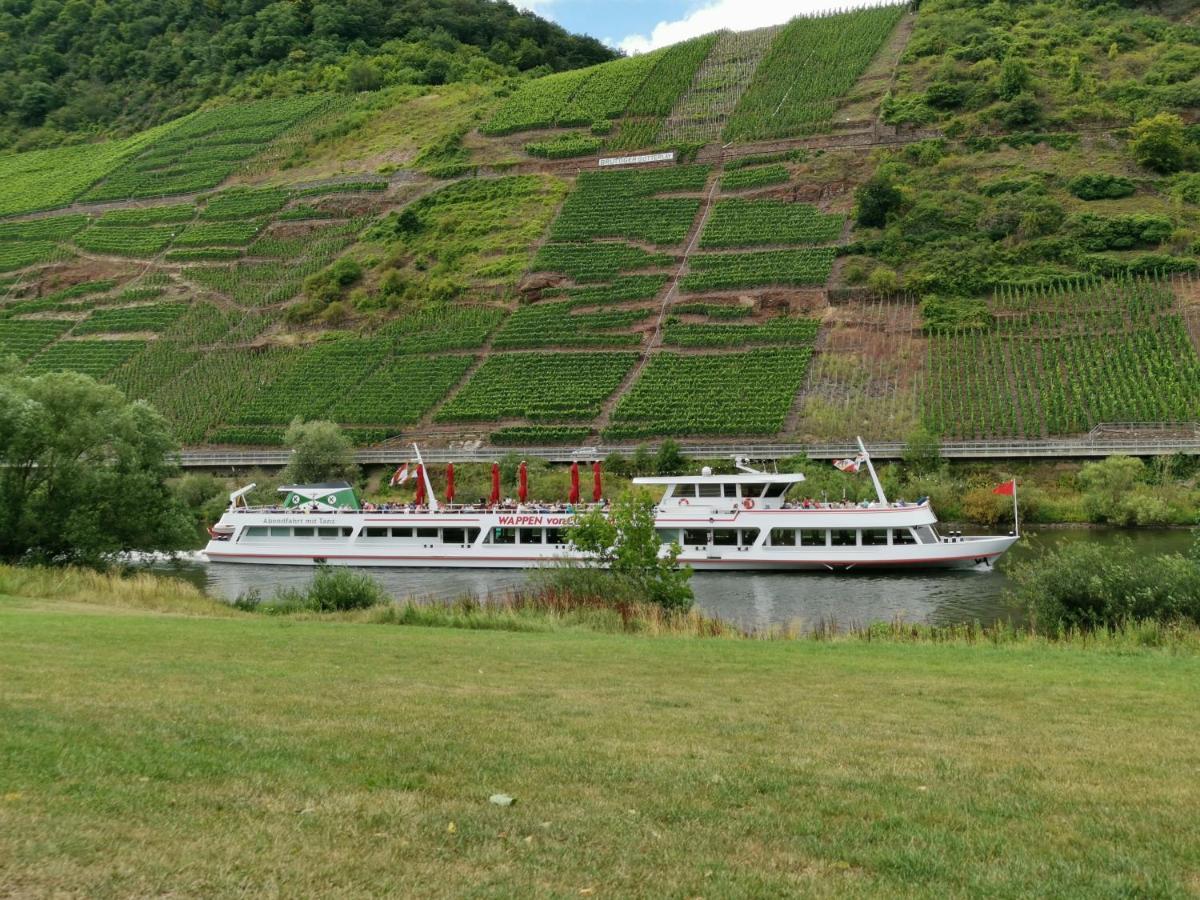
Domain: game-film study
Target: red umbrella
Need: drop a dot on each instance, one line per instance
(573, 497)
(420, 498)
(495, 483)
(522, 483)
(449, 482)
(597, 493)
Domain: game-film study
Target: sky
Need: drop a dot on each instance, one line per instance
(636, 26)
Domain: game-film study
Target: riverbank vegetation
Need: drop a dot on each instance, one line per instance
(318, 755)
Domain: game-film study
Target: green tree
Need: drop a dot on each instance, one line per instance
(923, 451)
(1160, 143)
(320, 452)
(84, 474)
(875, 200)
(626, 544)
(670, 459)
(1014, 78)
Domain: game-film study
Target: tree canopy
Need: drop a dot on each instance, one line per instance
(76, 65)
(83, 473)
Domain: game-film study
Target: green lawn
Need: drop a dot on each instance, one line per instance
(145, 754)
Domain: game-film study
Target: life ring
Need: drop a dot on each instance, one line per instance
(748, 503)
(683, 501)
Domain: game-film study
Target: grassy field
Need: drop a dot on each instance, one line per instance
(147, 752)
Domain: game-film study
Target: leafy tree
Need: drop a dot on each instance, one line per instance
(923, 452)
(320, 452)
(670, 459)
(626, 544)
(875, 200)
(1160, 143)
(84, 473)
(1014, 78)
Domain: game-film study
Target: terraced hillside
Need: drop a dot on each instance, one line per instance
(435, 262)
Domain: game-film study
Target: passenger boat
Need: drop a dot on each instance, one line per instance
(743, 521)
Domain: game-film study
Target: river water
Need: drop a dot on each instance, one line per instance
(750, 599)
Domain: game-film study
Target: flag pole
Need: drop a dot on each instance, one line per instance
(1016, 518)
(871, 469)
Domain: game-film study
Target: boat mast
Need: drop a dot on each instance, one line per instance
(433, 502)
(870, 468)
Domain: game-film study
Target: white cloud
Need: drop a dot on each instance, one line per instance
(736, 15)
(541, 7)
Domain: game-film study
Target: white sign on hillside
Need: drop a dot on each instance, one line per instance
(633, 160)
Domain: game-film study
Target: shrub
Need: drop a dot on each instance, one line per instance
(955, 313)
(1160, 143)
(875, 200)
(1092, 585)
(332, 590)
(1101, 187)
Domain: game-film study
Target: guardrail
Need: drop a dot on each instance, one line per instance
(1073, 447)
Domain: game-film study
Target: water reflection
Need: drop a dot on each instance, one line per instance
(750, 599)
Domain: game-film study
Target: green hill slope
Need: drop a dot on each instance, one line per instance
(963, 219)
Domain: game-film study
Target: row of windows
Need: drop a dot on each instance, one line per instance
(788, 537)
(729, 490)
(686, 537)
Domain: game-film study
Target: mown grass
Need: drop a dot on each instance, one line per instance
(193, 755)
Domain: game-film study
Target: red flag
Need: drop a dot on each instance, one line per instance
(399, 476)
(573, 497)
(449, 482)
(495, 483)
(522, 483)
(1007, 489)
(596, 491)
(420, 498)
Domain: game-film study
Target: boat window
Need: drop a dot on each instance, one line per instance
(903, 536)
(730, 490)
(375, 532)
(783, 537)
(402, 532)
(454, 535)
(752, 490)
(326, 532)
(924, 535)
(531, 535)
(280, 531)
(347, 531)
(695, 537)
(843, 537)
(255, 531)
(427, 532)
(504, 535)
(685, 490)
(810, 537)
(725, 537)
(555, 536)
(777, 490)
(668, 535)
(710, 490)
(748, 537)
(875, 537)
(302, 532)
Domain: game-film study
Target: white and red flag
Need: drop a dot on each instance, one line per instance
(399, 476)
(849, 466)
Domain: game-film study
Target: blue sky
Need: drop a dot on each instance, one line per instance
(638, 25)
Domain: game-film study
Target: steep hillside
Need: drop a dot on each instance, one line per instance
(76, 67)
(981, 220)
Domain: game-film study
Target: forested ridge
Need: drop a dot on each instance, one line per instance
(94, 65)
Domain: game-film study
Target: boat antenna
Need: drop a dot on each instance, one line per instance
(866, 457)
(433, 502)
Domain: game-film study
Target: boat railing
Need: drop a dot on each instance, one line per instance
(443, 508)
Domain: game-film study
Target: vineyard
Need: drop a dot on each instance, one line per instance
(203, 149)
(744, 223)
(781, 330)
(746, 393)
(722, 271)
(542, 387)
(627, 204)
(1060, 361)
(812, 62)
